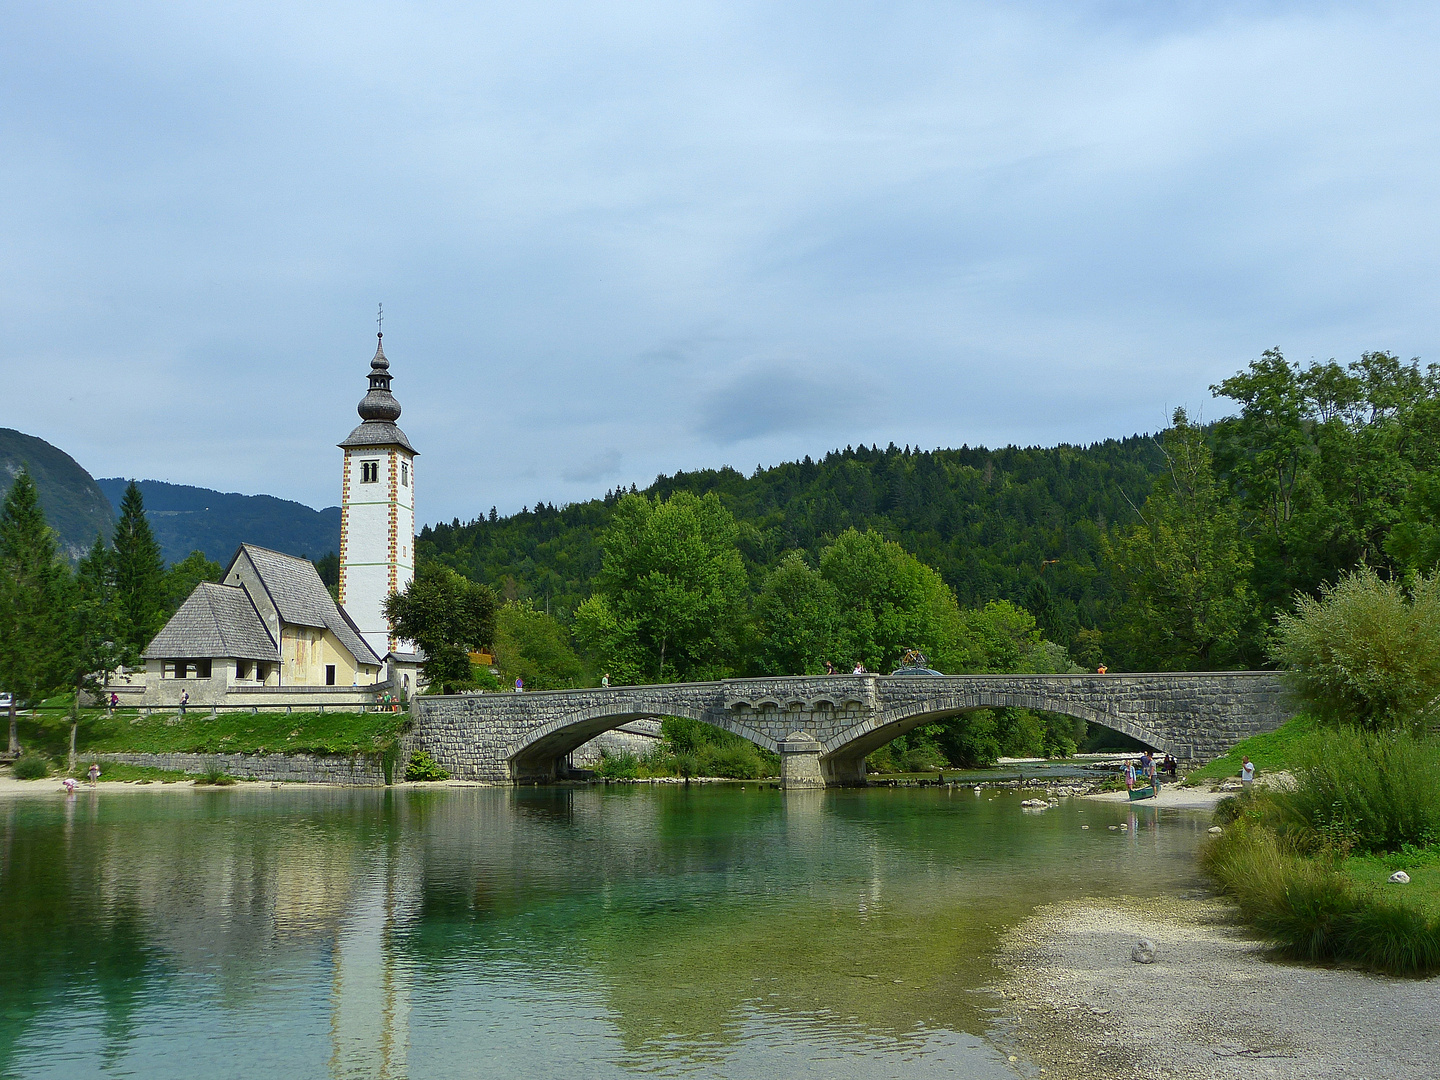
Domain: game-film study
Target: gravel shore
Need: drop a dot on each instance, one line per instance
(1211, 1005)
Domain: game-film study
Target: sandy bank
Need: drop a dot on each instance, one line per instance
(1211, 1005)
(51, 786)
(1172, 797)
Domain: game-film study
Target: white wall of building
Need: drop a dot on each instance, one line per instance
(377, 539)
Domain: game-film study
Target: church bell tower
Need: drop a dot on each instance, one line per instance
(377, 511)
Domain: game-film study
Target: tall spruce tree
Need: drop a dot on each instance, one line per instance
(92, 626)
(34, 598)
(139, 577)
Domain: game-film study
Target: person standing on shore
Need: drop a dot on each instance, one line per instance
(1129, 776)
(94, 773)
(1247, 773)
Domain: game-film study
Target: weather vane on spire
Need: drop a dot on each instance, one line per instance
(380, 322)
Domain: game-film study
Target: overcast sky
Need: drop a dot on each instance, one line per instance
(614, 241)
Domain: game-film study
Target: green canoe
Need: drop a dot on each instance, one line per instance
(1146, 792)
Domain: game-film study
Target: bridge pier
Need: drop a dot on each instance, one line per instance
(800, 761)
(843, 772)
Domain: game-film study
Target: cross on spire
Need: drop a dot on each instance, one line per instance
(380, 322)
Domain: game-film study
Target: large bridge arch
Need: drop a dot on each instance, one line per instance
(843, 755)
(536, 754)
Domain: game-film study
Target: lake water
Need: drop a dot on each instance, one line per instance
(583, 933)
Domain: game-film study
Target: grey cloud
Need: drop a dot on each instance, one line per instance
(613, 240)
(783, 397)
(602, 466)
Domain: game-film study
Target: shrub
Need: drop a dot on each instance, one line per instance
(922, 758)
(1364, 652)
(216, 777)
(1370, 792)
(623, 766)
(422, 766)
(31, 767)
(734, 762)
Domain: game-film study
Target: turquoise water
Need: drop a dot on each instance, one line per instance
(579, 933)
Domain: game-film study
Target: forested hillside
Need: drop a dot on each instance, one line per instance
(1017, 524)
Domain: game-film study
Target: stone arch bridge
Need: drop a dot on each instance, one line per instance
(823, 726)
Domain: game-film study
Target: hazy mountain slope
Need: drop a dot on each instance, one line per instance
(186, 519)
(74, 504)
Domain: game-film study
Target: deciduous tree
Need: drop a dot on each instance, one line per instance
(1184, 568)
(667, 598)
(448, 616)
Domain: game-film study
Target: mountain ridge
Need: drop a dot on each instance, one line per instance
(185, 518)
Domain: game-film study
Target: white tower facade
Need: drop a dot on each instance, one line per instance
(377, 512)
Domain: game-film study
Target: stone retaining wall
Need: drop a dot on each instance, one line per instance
(309, 768)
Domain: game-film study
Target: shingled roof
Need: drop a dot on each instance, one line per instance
(216, 620)
(295, 588)
(377, 433)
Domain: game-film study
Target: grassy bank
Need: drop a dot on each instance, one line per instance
(227, 733)
(1309, 865)
(1271, 752)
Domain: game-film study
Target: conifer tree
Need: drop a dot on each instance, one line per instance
(139, 577)
(34, 587)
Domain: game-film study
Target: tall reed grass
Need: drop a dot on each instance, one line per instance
(1362, 791)
(1308, 910)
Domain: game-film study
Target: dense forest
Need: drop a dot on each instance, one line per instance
(1017, 524)
(1169, 551)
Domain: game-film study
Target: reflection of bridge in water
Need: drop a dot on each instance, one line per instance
(823, 726)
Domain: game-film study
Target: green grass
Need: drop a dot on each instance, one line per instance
(229, 732)
(1271, 752)
(1423, 866)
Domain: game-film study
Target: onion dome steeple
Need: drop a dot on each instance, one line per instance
(378, 409)
(379, 403)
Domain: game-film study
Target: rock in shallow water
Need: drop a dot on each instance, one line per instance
(1143, 951)
(1215, 830)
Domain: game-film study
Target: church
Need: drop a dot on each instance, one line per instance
(269, 633)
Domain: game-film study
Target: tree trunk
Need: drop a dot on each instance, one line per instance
(74, 727)
(14, 734)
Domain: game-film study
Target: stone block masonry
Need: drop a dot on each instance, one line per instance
(824, 726)
(307, 768)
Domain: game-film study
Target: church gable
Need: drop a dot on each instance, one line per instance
(215, 621)
(294, 592)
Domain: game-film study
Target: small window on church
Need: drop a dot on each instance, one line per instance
(329, 674)
(404, 474)
(369, 472)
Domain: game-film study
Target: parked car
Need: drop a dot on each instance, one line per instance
(5, 701)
